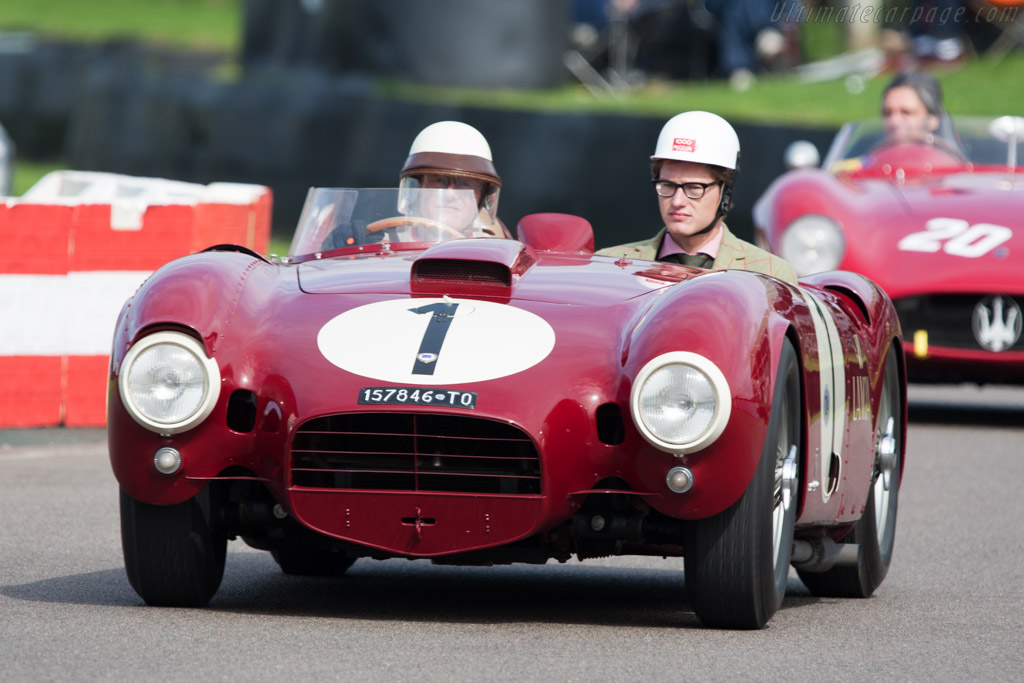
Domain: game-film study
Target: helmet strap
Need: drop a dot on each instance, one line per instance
(722, 211)
(725, 201)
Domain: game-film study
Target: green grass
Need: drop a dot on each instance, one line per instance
(214, 25)
(982, 87)
(280, 245)
(26, 173)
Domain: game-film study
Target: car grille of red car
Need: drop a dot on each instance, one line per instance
(414, 452)
(948, 319)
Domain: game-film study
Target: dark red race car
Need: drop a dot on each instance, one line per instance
(936, 220)
(413, 393)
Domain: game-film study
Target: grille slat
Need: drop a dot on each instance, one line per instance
(414, 452)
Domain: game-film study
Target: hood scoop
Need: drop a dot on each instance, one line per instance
(450, 270)
(482, 266)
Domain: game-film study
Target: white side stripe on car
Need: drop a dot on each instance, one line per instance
(833, 390)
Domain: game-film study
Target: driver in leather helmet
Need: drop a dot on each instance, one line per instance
(448, 178)
(450, 155)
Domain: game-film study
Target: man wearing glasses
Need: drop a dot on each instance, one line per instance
(693, 171)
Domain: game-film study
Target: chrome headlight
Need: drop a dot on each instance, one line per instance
(167, 383)
(813, 244)
(680, 402)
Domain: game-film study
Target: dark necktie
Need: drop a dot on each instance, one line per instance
(695, 260)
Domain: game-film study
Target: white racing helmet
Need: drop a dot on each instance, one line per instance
(453, 148)
(702, 138)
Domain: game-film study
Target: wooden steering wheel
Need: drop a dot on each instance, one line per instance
(414, 222)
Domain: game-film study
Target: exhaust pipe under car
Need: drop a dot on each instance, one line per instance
(821, 554)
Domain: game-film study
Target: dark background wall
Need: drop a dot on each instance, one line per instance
(312, 130)
(511, 43)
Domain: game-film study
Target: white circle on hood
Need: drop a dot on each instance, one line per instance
(482, 341)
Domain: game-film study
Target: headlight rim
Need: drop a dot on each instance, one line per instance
(209, 366)
(833, 224)
(723, 401)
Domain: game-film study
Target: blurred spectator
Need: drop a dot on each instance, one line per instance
(735, 39)
(750, 36)
(936, 32)
(631, 40)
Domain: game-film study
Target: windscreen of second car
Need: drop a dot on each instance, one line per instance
(972, 135)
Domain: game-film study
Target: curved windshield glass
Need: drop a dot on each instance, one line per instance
(979, 139)
(414, 218)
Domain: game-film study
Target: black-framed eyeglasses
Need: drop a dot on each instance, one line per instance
(694, 190)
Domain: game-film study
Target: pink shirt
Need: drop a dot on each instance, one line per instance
(669, 246)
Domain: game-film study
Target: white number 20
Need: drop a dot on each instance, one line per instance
(956, 237)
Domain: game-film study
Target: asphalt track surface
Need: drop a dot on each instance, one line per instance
(950, 609)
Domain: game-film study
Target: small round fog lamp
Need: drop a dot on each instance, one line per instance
(679, 479)
(167, 460)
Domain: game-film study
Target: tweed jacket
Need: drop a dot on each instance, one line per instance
(734, 253)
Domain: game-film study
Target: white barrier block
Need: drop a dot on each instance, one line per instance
(58, 315)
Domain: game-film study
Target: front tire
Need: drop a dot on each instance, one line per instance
(737, 562)
(875, 531)
(173, 554)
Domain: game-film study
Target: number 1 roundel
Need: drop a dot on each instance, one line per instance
(435, 341)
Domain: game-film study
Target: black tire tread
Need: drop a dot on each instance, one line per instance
(173, 556)
(726, 585)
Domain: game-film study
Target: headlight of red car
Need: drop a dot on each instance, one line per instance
(167, 383)
(813, 244)
(680, 402)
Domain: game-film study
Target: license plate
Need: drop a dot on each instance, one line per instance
(417, 396)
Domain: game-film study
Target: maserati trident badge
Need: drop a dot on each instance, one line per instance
(997, 323)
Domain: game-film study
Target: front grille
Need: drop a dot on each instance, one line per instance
(455, 270)
(414, 452)
(948, 319)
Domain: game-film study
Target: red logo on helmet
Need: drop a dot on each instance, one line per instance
(684, 145)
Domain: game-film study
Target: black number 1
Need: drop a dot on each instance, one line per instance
(433, 337)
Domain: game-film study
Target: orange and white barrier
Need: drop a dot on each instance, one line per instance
(72, 250)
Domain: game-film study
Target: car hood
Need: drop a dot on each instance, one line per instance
(502, 270)
(960, 232)
(989, 195)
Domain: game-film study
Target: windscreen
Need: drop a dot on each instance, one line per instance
(981, 140)
(341, 218)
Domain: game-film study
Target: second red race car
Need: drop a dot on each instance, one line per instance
(937, 220)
